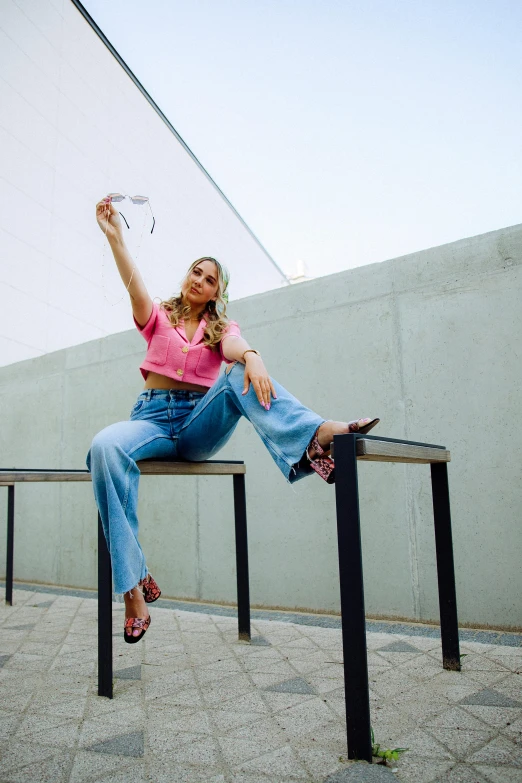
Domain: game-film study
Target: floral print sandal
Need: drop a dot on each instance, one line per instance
(324, 465)
(135, 624)
(151, 591)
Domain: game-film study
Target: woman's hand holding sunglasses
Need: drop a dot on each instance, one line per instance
(109, 219)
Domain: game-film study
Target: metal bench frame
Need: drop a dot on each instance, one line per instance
(347, 450)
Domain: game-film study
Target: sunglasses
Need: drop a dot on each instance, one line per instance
(139, 200)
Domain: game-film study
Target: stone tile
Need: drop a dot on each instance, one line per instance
(52, 770)
(329, 736)
(513, 729)
(450, 685)
(421, 667)
(136, 773)
(130, 673)
(267, 728)
(226, 719)
(259, 777)
(490, 698)
(259, 641)
(251, 702)
(296, 685)
(397, 652)
(494, 716)
(69, 708)
(161, 771)
(188, 748)
(394, 682)
(283, 701)
(325, 685)
(485, 679)
(417, 769)
(269, 666)
(304, 718)
(499, 774)
(225, 666)
(362, 772)
(111, 725)
(196, 723)
(224, 690)
(461, 742)
(264, 680)
(20, 753)
(463, 773)
(65, 735)
(319, 761)
(477, 662)
(236, 751)
(88, 765)
(499, 751)
(131, 744)
(157, 683)
(37, 722)
(277, 763)
(506, 656)
(8, 725)
(511, 686)
(455, 717)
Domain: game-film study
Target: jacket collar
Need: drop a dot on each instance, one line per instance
(198, 336)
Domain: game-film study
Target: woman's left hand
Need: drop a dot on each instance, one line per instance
(257, 375)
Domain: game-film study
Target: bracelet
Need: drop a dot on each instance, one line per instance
(249, 350)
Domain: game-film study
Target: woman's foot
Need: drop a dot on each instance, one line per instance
(328, 429)
(319, 447)
(135, 609)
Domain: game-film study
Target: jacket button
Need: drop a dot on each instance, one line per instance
(179, 372)
(185, 349)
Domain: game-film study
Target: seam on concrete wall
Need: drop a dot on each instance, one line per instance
(198, 543)
(411, 516)
(59, 555)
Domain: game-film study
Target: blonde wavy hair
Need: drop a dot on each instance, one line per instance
(215, 313)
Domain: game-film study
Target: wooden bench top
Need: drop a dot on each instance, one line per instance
(148, 467)
(375, 450)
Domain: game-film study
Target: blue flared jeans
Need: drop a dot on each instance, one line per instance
(184, 425)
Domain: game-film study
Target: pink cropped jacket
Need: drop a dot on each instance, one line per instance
(170, 353)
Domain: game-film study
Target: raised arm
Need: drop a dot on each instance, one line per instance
(110, 223)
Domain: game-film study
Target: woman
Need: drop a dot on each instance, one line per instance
(186, 412)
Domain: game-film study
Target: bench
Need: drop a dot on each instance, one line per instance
(347, 451)
(151, 467)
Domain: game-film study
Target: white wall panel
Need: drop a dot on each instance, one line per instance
(74, 126)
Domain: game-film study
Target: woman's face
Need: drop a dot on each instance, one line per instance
(201, 284)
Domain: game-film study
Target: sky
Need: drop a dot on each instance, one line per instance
(343, 132)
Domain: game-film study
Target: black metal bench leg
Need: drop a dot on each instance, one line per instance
(243, 592)
(10, 546)
(352, 601)
(104, 616)
(445, 568)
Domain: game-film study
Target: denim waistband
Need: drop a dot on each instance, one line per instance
(168, 394)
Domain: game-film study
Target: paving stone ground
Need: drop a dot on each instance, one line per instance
(193, 705)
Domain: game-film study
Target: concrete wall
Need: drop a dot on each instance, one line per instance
(429, 342)
(73, 127)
